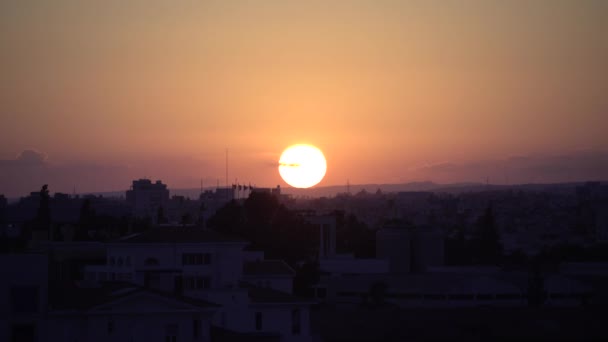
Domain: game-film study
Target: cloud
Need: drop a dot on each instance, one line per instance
(30, 169)
(30, 157)
(26, 158)
(572, 166)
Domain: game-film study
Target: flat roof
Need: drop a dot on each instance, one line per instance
(267, 268)
(180, 235)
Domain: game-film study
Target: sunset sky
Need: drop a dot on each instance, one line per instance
(95, 94)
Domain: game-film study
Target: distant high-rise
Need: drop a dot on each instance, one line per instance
(146, 198)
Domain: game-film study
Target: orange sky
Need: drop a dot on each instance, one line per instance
(386, 89)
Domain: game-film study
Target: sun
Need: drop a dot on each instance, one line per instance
(302, 165)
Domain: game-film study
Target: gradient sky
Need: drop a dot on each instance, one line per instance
(94, 94)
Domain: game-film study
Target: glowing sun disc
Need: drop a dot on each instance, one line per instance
(302, 166)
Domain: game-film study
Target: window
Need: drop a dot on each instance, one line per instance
(112, 261)
(434, 296)
(197, 282)
(128, 261)
(462, 296)
(196, 328)
(508, 296)
(23, 333)
(258, 321)
(295, 322)
(110, 326)
(119, 262)
(485, 297)
(202, 283)
(196, 259)
(24, 299)
(171, 333)
(151, 262)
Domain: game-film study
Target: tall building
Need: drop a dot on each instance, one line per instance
(146, 198)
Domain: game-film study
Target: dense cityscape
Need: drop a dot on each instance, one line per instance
(303, 171)
(248, 263)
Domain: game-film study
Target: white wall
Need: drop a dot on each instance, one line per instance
(23, 270)
(127, 328)
(225, 268)
(284, 284)
(277, 318)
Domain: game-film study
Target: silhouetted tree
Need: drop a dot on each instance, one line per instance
(186, 219)
(160, 215)
(354, 236)
(201, 215)
(536, 286)
(43, 216)
(86, 221)
(457, 248)
(228, 219)
(487, 240)
(377, 294)
(269, 226)
(140, 224)
(307, 275)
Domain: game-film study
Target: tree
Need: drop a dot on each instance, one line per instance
(307, 275)
(160, 215)
(43, 216)
(487, 240)
(86, 220)
(457, 249)
(186, 219)
(354, 236)
(377, 294)
(269, 226)
(536, 286)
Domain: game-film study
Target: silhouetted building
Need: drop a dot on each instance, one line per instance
(146, 198)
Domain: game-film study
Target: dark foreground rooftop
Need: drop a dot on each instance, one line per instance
(180, 235)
